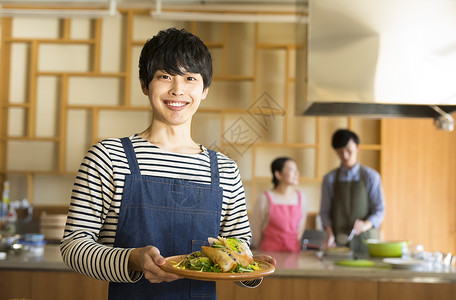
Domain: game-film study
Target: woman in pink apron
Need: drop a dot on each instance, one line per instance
(279, 216)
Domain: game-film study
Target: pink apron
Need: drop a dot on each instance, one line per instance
(281, 233)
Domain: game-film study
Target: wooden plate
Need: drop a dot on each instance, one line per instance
(266, 269)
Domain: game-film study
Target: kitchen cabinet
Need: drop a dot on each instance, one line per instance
(68, 285)
(46, 285)
(416, 291)
(418, 174)
(294, 288)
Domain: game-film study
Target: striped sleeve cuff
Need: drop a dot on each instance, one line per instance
(134, 276)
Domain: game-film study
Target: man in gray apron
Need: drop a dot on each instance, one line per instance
(352, 197)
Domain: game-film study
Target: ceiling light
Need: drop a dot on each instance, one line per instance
(61, 13)
(225, 16)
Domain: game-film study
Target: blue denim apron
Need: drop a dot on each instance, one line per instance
(174, 215)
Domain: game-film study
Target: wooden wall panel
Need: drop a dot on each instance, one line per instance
(271, 288)
(46, 285)
(295, 288)
(418, 164)
(340, 289)
(68, 286)
(416, 291)
(15, 284)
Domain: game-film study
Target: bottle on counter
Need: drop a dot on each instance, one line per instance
(405, 252)
(5, 202)
(25, 205)
(9, 214)
(6, 191)
(11, 218)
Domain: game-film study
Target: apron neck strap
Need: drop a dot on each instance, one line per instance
(215, 179)
(131, 156)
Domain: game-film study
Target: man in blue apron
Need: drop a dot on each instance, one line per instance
(352, 197)
(139, 199)
(174, 216)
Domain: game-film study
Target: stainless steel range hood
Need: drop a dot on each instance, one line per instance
(388, 58)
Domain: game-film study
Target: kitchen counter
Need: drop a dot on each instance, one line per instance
(309, 265)
(305, 264)
(298, 276)
(51, 260)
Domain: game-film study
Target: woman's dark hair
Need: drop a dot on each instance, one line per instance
(341, 138)
(277, 165)
(175, 52)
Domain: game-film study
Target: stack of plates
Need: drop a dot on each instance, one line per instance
(409, 264)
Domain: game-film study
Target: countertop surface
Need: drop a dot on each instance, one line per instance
(50, 260)
(314, 264)
(308, 264)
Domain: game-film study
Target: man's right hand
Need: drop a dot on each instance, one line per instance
(330, 241)
(148, 260)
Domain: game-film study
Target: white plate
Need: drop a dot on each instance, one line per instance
(404, 263)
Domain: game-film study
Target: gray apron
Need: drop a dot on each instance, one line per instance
(351, 202)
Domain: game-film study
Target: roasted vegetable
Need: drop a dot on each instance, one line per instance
(223, 255)
(198, 261)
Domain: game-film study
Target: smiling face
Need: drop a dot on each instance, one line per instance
(175, 98)
(289, 174)
(348, 155)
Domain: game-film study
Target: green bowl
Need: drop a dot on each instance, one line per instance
(385, 248)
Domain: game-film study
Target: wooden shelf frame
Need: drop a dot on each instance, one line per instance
(94, 41)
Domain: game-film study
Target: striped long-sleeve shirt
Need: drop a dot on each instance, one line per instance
(87, 245)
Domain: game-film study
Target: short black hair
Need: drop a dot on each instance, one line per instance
(341, 138)
(175, 51)
(277, 165)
